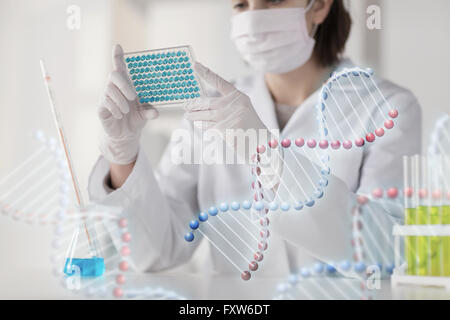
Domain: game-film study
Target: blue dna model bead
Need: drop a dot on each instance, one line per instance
(189, 237)
(194, 224)
(203, 216)
(213, 211)
(235, 205)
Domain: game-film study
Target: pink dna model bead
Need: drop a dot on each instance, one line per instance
(258, 256)
(123, 266)
(362, 199)
(311, 143)
(377, 193)
(261, 149)
(389, 124)
(120, 279)
(370, 137)
(273, 143)
(359, 142)
(335, 144)
(246, 276)
(126, 236)
(118, 292)
(286, 143)
(347, 144)
(299, 142)
(436, 194)
(123, 223)
(392, 193)
(125, 251)
(409, 192)
(393, 113)
(323, 144)
(423, 193)
(379, 132)
(253, 266)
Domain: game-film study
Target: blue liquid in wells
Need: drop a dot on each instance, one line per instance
(164, 77)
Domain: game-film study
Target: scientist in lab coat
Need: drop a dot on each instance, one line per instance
(293, 45)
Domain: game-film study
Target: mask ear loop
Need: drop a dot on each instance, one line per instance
(314, 30)
(315, 26)
(309, 6)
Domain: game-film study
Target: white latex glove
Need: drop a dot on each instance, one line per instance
(232, 111)
(122, 117)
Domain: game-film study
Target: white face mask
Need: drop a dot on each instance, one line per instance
(273, 40)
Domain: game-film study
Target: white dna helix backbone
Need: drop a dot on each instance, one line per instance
(38, 192)
(372, 248)
(351, 112)
(371, 262)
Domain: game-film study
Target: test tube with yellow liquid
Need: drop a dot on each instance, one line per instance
(436, 252)
(445, 178)
(410, 212)
(422, 210)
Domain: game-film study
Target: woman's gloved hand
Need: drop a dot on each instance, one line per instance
(121, 115)
(233, 111)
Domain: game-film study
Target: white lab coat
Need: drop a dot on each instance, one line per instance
(161, 203)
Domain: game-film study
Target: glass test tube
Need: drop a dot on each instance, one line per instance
(435, 254)
(410, 212)
(445, 218)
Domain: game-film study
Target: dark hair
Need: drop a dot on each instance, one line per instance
(332, 35)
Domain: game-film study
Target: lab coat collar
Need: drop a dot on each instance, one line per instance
(263, 102)
(265, 107)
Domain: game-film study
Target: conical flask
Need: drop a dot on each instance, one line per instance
(84, 257)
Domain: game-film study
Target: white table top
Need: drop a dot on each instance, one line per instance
(41, 284)
(26, 273)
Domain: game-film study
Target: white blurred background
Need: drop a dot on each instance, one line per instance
(412, 48)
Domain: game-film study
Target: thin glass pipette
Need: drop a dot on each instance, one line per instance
(63, 141)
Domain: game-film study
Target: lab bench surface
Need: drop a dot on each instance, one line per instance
(41, 284)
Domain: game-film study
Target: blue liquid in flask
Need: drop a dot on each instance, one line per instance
(88, 267)
(83, 257)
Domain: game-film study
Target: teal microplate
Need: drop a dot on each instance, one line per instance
(164, 76)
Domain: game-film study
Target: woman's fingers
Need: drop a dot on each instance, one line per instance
(117, 58)
(111, 106)
(148, 112)
(221, 85)
(204, 115)
(205, 103)
(213, 103)
(121, 80)
(116, 95)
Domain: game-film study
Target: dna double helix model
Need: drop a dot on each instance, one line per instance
(109, 222)
(372, 247)
(39, 192)
(352, 112)
(36, 191)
